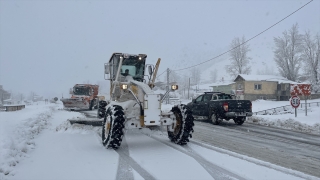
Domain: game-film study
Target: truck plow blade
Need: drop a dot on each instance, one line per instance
(75, 104)
(86, 121)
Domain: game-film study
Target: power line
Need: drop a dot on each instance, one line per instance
(161, 73)
(246, 40)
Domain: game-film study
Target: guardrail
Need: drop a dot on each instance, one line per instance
(14, 107)
(284, 109)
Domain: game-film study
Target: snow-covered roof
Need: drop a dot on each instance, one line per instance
(222, 83)
(278, 79)
(210, 85)
(202, 86)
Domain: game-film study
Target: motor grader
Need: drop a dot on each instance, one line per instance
(133, 103)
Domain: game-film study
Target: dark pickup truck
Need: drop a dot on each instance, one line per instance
(216, 106)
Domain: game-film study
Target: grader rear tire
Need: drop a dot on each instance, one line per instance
(112, 127)
(184, 126)
(101, 112)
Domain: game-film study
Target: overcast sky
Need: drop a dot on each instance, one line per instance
(48, 46)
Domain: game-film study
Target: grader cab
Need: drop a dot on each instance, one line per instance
(133, 103)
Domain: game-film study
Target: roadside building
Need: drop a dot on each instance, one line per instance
(253, 87)
(227, 87)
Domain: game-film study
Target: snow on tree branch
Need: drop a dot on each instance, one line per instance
(239, 57)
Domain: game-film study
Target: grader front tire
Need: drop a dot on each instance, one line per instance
(112, 127)
(184, 126)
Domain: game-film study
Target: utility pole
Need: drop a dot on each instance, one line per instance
(167, 99)
(188, 88)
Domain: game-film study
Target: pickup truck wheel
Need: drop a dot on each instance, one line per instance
(214, 119)
(184, 125)
(240, 120)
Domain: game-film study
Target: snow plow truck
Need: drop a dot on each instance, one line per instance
(133, 103)
(83, 97)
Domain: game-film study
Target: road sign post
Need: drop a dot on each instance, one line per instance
(295, 103)
(301, 90)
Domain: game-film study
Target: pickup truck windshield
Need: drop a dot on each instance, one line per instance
(224, 96)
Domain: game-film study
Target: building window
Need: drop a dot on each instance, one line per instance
(257, 86)
(239, 86)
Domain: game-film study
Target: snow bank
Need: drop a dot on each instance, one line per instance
(291, 124)
(17, 132)
(287, 119)
(66, 127)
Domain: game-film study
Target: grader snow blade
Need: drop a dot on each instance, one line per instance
(86, 121)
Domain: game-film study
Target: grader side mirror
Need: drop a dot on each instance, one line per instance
(150, 70)
(106, 68)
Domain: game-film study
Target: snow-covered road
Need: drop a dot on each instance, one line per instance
(291, 149)
(64, 151)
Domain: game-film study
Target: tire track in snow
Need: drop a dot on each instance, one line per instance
(124, 171)
(126, 162)
(215, 171)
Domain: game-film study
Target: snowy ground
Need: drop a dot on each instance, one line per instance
(287, 119)
(38, 143)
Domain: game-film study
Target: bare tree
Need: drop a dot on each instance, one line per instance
(213, 75)
(266, 70)
(311, 58)
(288, 53)
(239, 57)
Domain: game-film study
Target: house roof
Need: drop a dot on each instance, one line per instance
(223, 83)
(278, 79)
(210, 85)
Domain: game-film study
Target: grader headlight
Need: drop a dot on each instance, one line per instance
(124, 86)
(174, 87)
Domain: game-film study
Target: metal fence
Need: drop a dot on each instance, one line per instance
(284, 109)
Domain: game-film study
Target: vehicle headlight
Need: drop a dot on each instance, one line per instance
(174, 87)
(124, 86)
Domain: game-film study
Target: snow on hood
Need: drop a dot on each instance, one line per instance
(144, 86)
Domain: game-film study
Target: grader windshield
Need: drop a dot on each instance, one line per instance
(132, 65)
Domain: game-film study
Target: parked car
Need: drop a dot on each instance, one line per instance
(216, 106)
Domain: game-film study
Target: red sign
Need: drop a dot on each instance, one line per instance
(300, 89)
(295, 101)
(239, 92)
